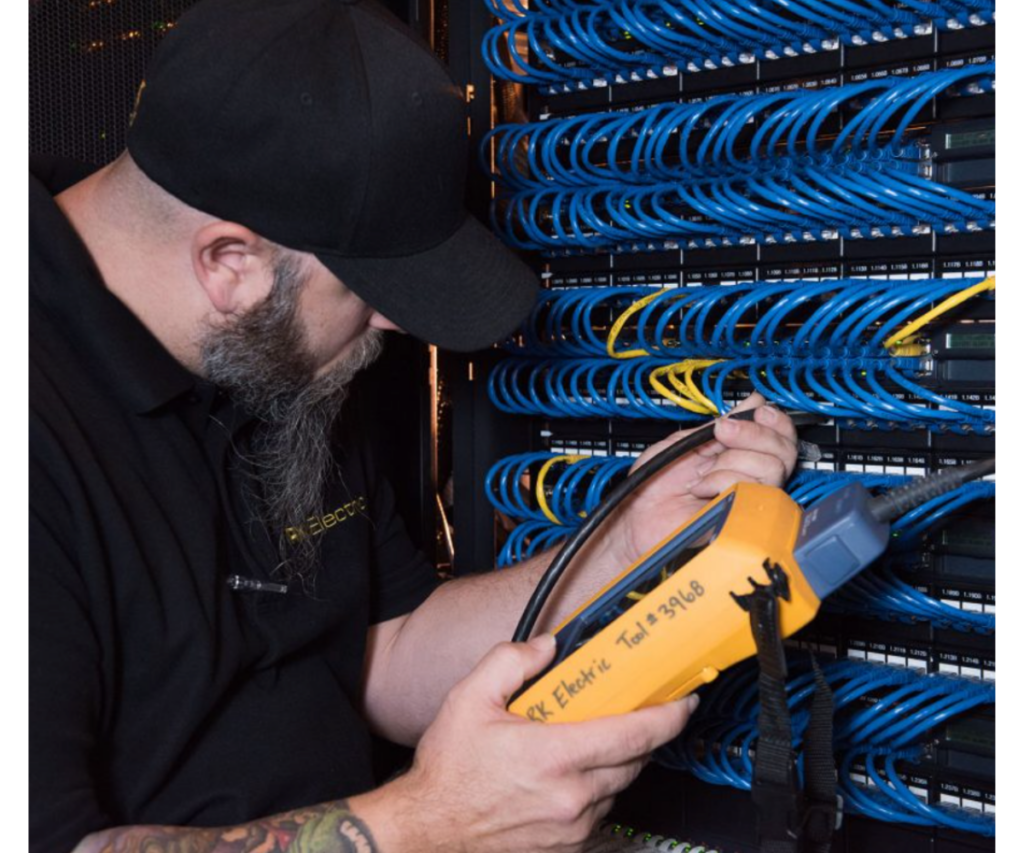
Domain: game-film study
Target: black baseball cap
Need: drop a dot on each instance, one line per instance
(330, 127)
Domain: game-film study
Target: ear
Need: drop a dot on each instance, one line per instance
(232, 265)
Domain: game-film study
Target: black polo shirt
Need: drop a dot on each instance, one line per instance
(158, 694)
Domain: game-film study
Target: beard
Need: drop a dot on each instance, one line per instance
(264, 362)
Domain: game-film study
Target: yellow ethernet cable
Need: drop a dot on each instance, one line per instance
(542, 500)
(620, 323)
(903, 338)
(694, 400)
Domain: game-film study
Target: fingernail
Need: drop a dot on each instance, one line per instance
(704, 467)
(543, 642)
(726, 428)
(767, 414)
(693, 700)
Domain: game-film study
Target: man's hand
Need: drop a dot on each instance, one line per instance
(487, 781)
(445, 637)
(759, 451)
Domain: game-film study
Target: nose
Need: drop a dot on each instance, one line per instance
(379, 321)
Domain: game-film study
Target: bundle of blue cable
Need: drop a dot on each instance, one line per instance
(834, 348)
(581, 43)
(581, 388)
(852, 391)
(577, 488)
(834, 318)
(692, 175)
(881, 594)
(575, 491)
(884, 719)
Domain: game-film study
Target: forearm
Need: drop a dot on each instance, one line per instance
(440, 642)
(444, 638)
(332, 827)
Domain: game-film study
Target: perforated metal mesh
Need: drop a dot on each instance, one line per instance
(86, 60)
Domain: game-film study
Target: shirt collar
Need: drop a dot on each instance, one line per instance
(65, 282)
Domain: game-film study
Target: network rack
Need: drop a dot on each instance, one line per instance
(953, 565)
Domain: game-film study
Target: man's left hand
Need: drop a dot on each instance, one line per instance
(760, 451)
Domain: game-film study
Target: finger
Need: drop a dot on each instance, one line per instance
(745, 435)
(596, 813)
(751, 401)
(768, 415)
(657, 447)
(506, 667)
(602, 808)
(606, 782)
(620, 739)
(708, 449)
(717, 482)
(582, 834)
(759, 467)
(779, 421)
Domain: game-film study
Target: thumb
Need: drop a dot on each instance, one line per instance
(506, 667)
(751, 401)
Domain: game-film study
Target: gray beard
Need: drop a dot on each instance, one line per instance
(263, 361)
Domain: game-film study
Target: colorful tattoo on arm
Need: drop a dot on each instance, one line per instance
(328, 828)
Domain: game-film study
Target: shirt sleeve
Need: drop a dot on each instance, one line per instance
(403, 577)
(65, 687)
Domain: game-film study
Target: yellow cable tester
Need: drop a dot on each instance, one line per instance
(676, 618)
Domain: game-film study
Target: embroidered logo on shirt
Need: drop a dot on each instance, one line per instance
(315, 525)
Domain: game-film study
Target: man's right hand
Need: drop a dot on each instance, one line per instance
(484, 781)
(487, 781)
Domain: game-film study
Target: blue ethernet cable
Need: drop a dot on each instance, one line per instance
(728, 32)
(539, 533)
(936, 203)
(873, 804)
(968, 413)
(874, 597)
(915, 523)
(899, 732)
(508, 498)
(878, 400)
(964, 821)
(912, 704)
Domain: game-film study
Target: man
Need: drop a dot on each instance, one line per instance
(223, 601)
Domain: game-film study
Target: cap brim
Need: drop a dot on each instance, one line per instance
(464, 294)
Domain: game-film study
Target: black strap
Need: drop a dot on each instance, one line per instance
(823, 803)
(788, 820)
